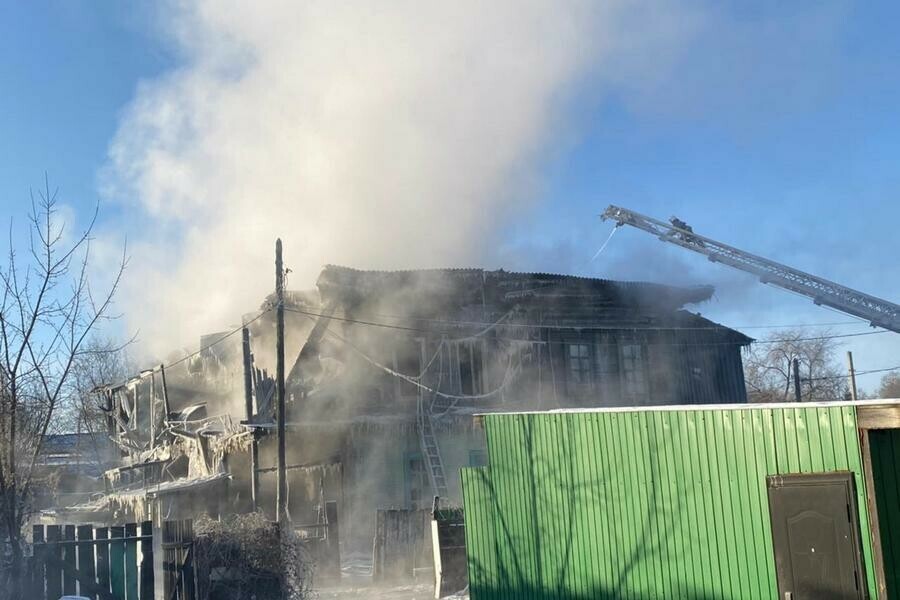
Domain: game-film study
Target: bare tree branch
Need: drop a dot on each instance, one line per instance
(769, 373)
(48, 314)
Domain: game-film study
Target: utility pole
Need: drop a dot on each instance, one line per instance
(852, 373)
(281, 496)
(796, 365)
(248, 402)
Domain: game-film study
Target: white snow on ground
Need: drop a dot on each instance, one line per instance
(372, 592)
(356, 582)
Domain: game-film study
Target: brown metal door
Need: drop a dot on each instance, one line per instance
(815, 533)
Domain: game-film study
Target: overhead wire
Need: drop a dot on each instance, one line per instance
(599, 325)
(219, 340)
(636, 328)
(415, 380)
(202, 349)
(856, 373)
(490, 326)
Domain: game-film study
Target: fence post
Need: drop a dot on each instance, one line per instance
(37, 568)
(190, 573)
(68, 554)
(85, 554)
(102, 534)
(146, 561)
(117, 561)
(54, 573)
(131, 567)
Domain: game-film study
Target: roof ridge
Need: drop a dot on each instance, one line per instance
(537, 274)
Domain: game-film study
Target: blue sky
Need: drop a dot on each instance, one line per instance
(776, 131)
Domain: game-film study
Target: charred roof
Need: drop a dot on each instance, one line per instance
(437, 287)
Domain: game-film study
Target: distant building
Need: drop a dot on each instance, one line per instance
(70, 468)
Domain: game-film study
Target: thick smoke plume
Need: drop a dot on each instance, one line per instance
(397, 135)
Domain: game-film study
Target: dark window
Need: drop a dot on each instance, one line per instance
(470, 367)
(606, 357)
(579, 358)
(634, 371)
(417, 482)
(407, 360)
(478, 458)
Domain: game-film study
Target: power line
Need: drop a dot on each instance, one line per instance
(193, 354)
(416, 380)
(595, 325)
(800, 325)
(858, 373)
(578, 328)
(869, 372)
(529, 325)
(822, 337)
(218, 340)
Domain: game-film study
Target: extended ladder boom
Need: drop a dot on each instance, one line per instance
(880, 313)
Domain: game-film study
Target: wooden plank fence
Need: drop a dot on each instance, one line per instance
(109, 563)
(323, 541)
(402, 549)
(179, 581)
(448, 535)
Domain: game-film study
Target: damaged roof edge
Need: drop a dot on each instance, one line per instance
(513, 282)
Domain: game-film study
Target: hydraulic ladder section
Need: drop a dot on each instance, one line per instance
(880, 313)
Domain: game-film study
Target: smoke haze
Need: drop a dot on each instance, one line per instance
(398, 135)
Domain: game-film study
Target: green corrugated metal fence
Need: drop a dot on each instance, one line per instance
(643, 504)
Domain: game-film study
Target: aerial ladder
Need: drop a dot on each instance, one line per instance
(878, 312)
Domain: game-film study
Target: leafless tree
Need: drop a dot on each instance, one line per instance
(769, 374)
(47, 314)
(105, 361)
(890, 386)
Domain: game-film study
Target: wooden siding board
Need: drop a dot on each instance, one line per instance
(131, 570)
(117, 561)
(854, 464)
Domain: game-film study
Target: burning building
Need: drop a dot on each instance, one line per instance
(385, 373)
(391, 366)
